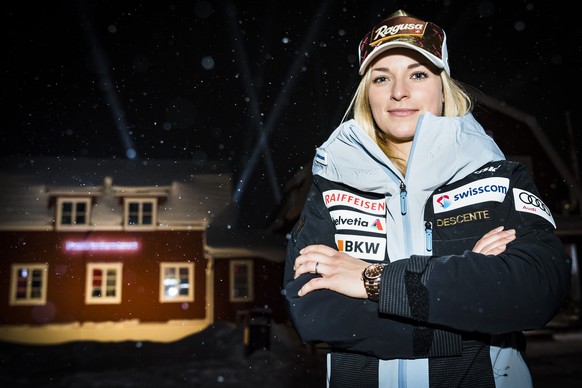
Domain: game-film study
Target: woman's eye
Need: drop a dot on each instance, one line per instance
(419, 75)
(379, 79)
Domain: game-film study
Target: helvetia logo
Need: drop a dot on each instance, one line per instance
(377, 225)
(353, 220)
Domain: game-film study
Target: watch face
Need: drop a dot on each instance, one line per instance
(373, 271)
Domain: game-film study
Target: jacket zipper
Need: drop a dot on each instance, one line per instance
(404, 211)
(403, 194)
(428, 236)
(405, 219)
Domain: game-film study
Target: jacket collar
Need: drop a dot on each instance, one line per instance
(444, 150)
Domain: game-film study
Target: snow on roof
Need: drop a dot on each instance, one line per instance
(187, 194)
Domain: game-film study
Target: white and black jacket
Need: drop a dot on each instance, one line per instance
(447, 317)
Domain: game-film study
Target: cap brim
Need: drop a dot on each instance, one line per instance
(398, 44)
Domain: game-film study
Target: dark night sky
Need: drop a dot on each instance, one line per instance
(201, 79)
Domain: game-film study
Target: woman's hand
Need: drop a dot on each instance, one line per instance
(339, 271)
(494, 242)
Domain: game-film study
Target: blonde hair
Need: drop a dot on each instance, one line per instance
(457, 102)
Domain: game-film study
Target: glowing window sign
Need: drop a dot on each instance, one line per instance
(101, 246)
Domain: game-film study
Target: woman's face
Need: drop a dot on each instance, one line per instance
(403, 85)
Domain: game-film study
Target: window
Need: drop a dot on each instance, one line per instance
(176, 282)
(140, 212)
(73, 212)
(241, 281)
(103, 283)
(28, 284)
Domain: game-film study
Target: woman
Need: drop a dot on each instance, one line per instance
(391, 262)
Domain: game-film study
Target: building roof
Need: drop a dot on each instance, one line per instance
(190, 195)
(187, 195)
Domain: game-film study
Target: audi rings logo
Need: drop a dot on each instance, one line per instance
(530, 199)
(527, 202)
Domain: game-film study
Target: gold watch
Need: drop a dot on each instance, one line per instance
(371, 276)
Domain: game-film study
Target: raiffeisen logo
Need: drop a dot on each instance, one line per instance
(483, 190)
(444, 201)
(345, 198)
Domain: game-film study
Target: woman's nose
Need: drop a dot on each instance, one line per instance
(398, 91)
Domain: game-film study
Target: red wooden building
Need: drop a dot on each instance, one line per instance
(114, 250)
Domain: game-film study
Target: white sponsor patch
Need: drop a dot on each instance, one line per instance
(528, 203)
(483, 190)
(368, 248)
(345, 198)
(350, 220)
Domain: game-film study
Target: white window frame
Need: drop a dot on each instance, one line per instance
(104, 299)
(250, 296)
(74, 200)
(164, 281)
(30, 287)
(141, 201)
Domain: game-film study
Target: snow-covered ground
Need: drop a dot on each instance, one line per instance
(216, 357)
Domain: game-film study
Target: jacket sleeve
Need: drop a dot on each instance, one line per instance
(343, 322)
(520, 289)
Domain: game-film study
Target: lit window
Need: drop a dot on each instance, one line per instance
(103, 283)
(140, 212)
(241, 281)
(28, 284)
(176, 282)
(73, 212)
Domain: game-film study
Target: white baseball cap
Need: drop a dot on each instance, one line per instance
(404, 30)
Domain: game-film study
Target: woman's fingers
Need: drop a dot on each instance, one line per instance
(494, 231)
(338, 271)
(323, 249)
(344, 280)
(308, 266)
(495, 241)
(310, 256)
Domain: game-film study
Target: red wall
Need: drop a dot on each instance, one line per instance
(67, 276)
(268, 281)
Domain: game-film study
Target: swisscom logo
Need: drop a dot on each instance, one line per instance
(483, 190)
(444, 201)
